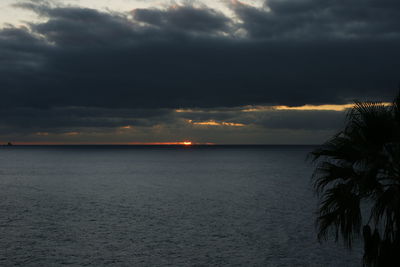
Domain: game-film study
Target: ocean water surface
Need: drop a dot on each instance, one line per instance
(161, 206)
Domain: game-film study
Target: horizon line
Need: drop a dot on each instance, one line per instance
(145, 144)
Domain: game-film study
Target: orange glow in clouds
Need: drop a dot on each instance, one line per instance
(216, 123)
(127, 127)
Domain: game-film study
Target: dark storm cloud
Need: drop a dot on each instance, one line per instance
(315, 19)
(186, 18)
(310, 120)
(19, 50)
(298, 52)
(83, 57)
(59, 120)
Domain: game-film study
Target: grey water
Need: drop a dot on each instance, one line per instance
(161, 206)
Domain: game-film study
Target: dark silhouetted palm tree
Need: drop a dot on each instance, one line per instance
(357, 179)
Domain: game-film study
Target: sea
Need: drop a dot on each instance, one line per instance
(162, 206)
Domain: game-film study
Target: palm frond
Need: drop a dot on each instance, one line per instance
(387, 211)
(340, 213)
(327, 173)
(361, 163)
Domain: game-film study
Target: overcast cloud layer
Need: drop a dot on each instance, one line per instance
(83, 69)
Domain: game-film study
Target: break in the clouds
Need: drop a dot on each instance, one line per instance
(83, 70)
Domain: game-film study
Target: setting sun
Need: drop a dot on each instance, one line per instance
(187, 143)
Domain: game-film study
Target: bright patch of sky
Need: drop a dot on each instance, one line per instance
(16, 16)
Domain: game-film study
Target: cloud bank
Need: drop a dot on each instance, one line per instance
(81, 67)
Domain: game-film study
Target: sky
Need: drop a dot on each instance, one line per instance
(223, 72)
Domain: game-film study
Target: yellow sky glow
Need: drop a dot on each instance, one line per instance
(322, 107)
(305, 107)
(216, 123)
(326, 107)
